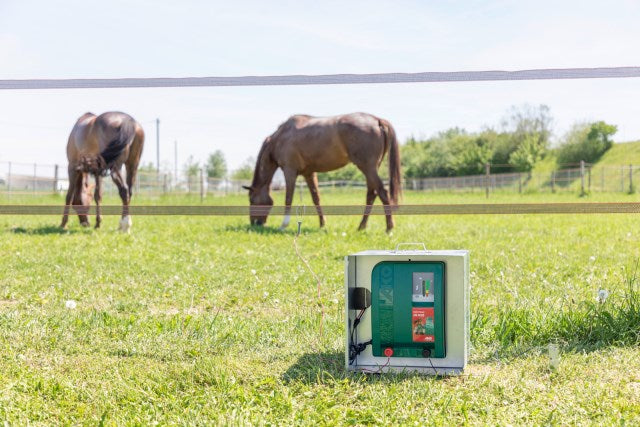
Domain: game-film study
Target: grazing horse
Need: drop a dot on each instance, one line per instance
(304, 145)
(100, 145)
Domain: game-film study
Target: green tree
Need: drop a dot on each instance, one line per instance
(216, 165)
(147, 167)
(191, 167)
(245, 171)
(526, 137)
(586, 141)
(528, 153)
(347, 173)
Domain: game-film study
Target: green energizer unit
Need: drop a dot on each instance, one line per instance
(407, 309)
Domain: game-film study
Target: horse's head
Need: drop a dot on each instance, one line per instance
(94, 165)
(261, 202)
(83, 197)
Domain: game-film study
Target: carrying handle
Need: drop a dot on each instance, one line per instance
(424, 247)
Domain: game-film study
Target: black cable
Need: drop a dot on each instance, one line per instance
(356, 349)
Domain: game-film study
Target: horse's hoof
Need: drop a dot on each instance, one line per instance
(85, 224)
(125, 224)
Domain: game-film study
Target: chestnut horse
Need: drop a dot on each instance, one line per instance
(100, 145)
(304, 145)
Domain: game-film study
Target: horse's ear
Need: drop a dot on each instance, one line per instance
(247, 187)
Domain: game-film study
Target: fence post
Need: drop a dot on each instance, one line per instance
(201, 185)
(164, 184)
(55, 179)
(553, 181)
(487, 168)
(589, 178)
(630, 179)
(582, 193)
(9, 180)
(621, 178)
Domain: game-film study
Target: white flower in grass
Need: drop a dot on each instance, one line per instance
(592, 258)
(253, 272)
(344, 234)
(70, 304)
(603, 294)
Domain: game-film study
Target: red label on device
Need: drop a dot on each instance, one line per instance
(422, 324)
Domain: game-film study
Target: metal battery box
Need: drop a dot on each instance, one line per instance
(412, 309)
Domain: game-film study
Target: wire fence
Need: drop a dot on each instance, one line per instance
(41, 179)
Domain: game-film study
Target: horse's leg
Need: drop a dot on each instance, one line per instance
(371, 196)
(375, 187)
(69, 199)
(81, 190)
(312, 183)
(290, 176)
(384, 197)
(131, 166)
(98, 198)
(123, 190)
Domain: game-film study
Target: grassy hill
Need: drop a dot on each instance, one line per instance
(606, 173)
(622, 153)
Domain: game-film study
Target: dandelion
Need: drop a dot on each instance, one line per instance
(603, 294)
(70, 304)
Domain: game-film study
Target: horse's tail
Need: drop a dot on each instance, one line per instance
(395, 175)
(114, 148)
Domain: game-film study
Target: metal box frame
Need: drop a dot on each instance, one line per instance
(358, 273)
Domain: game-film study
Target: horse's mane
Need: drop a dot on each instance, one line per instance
(264, 151)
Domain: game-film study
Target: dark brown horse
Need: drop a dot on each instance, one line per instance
(100, 145)
(304, 145)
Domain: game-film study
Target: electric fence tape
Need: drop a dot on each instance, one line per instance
(427, 209)
(324, 79)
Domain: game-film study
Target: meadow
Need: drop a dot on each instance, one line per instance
(205, 320)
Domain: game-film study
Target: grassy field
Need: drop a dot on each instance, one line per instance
(193, 320)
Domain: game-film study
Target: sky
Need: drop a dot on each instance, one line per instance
(87, 39)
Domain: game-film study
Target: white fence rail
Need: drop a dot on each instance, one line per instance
(39, 179)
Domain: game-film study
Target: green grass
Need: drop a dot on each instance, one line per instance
(204, 320)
